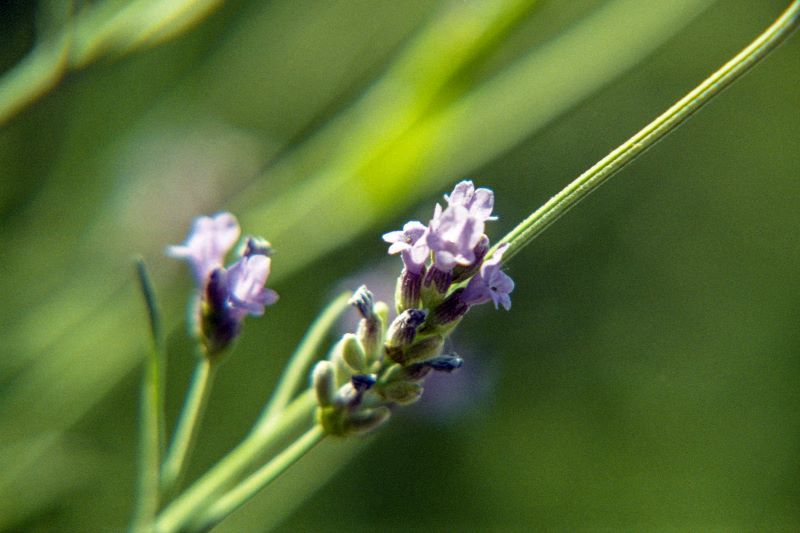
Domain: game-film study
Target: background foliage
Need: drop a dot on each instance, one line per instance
(647, 375)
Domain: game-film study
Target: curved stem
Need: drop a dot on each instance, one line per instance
(186, 431)
(231, 467)
(536, 223)
(296, 372)
(238, 496)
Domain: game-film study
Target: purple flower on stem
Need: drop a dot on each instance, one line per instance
(226, 296)
(453, 235)
(411, 243)
(490, 283)
(479, 202)
(246, 279)
(209, 241)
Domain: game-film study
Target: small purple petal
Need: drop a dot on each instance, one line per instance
(491, 283)
(479, 202)
(246, 279)
(209, 241)
(453, 236)
(412, 243)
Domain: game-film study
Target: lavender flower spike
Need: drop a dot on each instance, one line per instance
(209, 241)
(490, 283)
(246, 279)
(411, 243)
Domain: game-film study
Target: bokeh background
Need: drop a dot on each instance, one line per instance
(647, 375)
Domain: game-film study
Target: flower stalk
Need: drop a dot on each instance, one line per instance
(589, 181)
(239, 495)
(188, 425)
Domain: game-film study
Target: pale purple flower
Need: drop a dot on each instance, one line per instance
(246, 279)
(453, 235)
(411, 243)
(209, 241)
(226, 295)
(490, 283)
(479, 202)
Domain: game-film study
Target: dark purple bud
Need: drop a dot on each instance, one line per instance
(404, 328)
(363, 382)
(370, 328)
(363, 300)
(451, 309)
(408, 290)
(217, 292)
(438, 278)
(442, 363)
(218, 326)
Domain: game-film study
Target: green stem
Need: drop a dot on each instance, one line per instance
(230, 468)
(188, 424)
(296, 372)
(236, 497)
(152, 410)
(590, 180)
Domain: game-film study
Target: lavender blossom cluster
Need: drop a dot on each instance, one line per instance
(445, 273)
(225, 296)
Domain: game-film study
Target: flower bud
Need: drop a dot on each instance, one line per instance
(409, 284)
(401, 392)
(404, 328)
(453, 308)
(423, 349)
(324, 385)
(353, 354)
(218, 327)
(370, 328)
(256, 246)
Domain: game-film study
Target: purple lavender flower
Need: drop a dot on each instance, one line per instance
(209, 241)
(411, 243)
(479, 202)
(246, 279)
(453, 235)
(490, 283)
(226, 296)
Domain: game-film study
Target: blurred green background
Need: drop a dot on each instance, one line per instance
(647, 376)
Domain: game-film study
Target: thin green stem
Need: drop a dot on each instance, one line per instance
(232, 466)
(296, 373)
(536, 223)
(188, 425)
(151, 431)
(236, 497)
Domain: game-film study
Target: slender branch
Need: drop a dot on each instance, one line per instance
(239, 495)
(536, 223)
(230, 468)
(296, 372)
(151, 430)
(188, 424)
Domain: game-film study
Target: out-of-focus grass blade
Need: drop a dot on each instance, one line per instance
(111, 29)
(42, 68)
(151, 400)
(366, 180)
(107, 28)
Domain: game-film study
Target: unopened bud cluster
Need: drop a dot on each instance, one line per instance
(445, 273)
